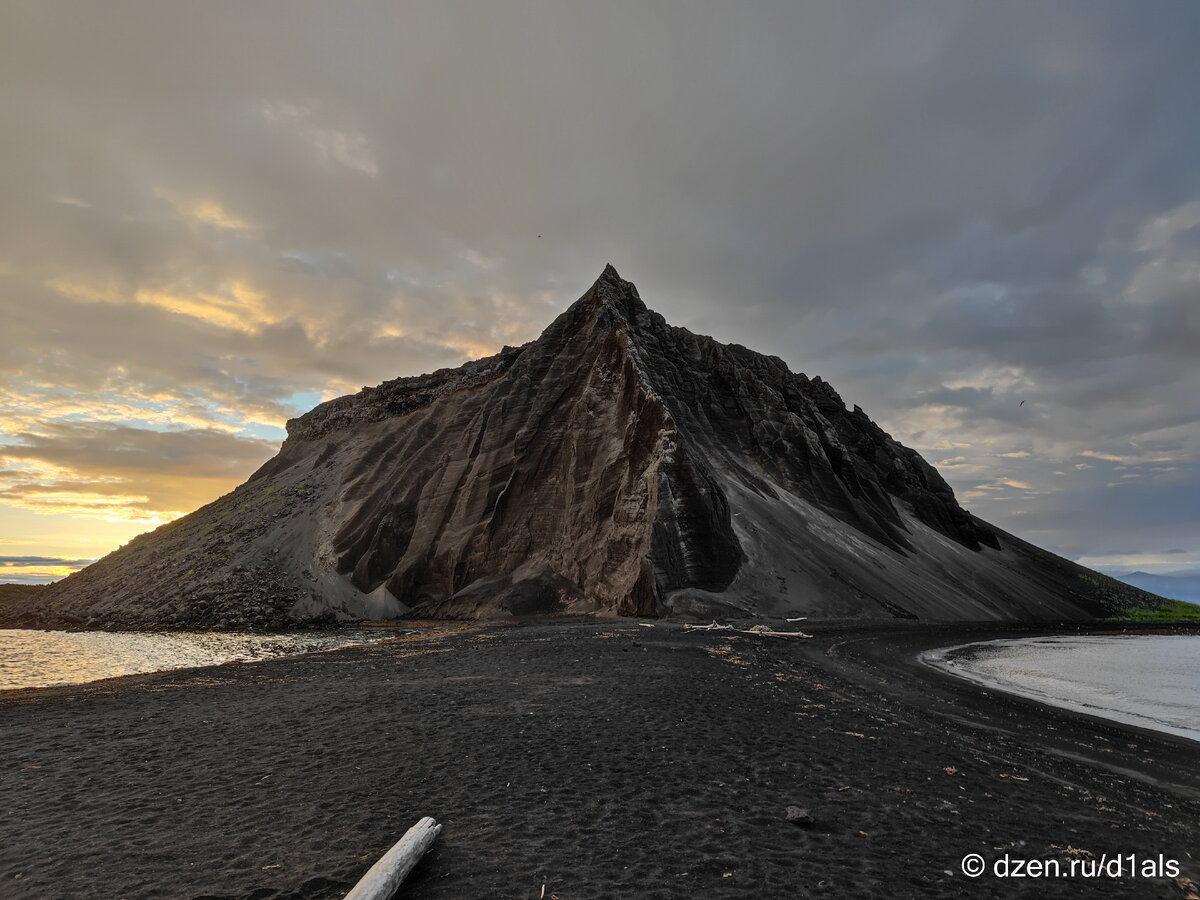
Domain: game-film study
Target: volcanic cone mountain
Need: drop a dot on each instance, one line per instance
(615, 464)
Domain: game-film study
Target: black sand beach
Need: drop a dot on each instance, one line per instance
(594, 758)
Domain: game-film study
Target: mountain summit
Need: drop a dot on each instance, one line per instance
(615, 464)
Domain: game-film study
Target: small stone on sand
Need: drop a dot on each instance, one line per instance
(799, 816)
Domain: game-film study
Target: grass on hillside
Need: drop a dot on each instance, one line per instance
(1169, 611)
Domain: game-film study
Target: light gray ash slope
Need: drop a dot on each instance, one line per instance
(616, 464)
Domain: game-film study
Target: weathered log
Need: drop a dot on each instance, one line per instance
(760, 630)
(763, 631)
(383, 879)
(713, 627)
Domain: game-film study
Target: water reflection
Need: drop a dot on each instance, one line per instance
(47, 658)
(1151, 681)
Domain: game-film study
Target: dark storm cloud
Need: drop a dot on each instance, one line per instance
(122, 450)
(44, 561)
(116, 471)
(944, 209)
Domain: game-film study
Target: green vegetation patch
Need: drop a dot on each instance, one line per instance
(1169, 611)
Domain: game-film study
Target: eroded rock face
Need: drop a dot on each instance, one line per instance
(615, 464)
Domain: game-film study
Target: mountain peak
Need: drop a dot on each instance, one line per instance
(616, 464)
(610, 304)
(612, 291)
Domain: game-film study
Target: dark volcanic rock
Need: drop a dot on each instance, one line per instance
(615, 464)
(19, 593)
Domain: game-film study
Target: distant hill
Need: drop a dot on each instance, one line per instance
(616, 465)
(1176, 587)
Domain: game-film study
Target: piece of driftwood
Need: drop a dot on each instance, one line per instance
(713, 627)
(761, 630)
(764, 631)
(383, 879)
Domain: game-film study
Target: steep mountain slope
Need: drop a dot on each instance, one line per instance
(615, 464)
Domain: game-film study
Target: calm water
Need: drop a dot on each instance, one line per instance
(1152, 681)
(46, 658)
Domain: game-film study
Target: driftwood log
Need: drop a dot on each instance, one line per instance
(766, 632)
(760, 630)
(713, 627)
(383, 879)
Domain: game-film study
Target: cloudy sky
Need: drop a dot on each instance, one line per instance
(214, 215)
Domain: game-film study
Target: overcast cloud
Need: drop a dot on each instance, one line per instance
(217, 214)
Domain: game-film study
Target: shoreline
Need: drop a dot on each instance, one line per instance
(1070, 733)
(70, 658)
(407, 627)
(958, 661)
(597, 757)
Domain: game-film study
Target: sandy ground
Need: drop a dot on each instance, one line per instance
(596, 759)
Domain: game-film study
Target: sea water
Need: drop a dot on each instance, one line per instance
(1152, 681)
(47, 658)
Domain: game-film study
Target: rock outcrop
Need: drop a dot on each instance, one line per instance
(616, 464)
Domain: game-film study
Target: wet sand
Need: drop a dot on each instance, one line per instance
(599, 759)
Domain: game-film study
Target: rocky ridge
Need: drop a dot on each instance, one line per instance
(617, 464)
